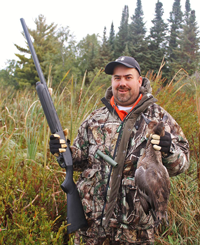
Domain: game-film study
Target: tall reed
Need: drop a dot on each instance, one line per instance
(183, 209)
(32, 204)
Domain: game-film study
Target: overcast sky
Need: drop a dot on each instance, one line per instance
(81, 16)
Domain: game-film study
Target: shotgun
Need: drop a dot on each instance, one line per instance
(75, 214)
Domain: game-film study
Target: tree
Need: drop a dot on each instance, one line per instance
(138, 44)
(45, 45)
(88, 49)
(105, 54)
(157, 38)
(122, 36)
(188, 54)
(175, 22)
(187, 11)
(8, 75)
(112, 40)
(65, 58)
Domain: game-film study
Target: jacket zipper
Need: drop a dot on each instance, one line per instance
(119, 130)
(107, 185)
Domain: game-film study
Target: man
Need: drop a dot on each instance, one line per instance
(118, 129)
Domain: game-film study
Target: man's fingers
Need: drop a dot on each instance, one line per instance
(62, 150)
(155, 136)
(165, 143)
(161, 143)
(156, 147)
(56, 136)
(155, 142)
(55, 150)
(65, 131)
(58, 141)
(58, 145)
(50, 91)
(62, 141)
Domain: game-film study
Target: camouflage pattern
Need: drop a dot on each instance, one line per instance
(128, 224)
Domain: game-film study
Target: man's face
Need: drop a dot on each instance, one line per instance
(125, 85)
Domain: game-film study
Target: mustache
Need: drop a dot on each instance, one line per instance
(123, 87)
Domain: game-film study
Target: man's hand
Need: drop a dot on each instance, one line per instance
(161, 143)
(56, 144)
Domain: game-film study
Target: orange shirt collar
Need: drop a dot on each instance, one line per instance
(122, 114)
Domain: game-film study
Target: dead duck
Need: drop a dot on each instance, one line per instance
(152, 178)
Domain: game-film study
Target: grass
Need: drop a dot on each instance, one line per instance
(183, 210)
(184, 205)
(32, 204)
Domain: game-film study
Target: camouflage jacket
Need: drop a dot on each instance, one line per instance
(104, 130)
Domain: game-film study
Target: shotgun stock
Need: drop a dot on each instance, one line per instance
(75, 214)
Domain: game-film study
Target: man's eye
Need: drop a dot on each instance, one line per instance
(117, 78)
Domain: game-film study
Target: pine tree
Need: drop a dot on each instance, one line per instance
(175, 22)
(138, 44)
(45, 45)
(157, 37)
(188, 55)
(126, 51)
(104, 55)
(112, 41)
(187, 11)
(122, 36)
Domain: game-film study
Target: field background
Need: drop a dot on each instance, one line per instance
(32, 204)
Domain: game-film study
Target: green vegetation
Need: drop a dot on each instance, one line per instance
(176, 40)
(181, 99)
(33, 206)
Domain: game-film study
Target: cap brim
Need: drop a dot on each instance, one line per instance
(111, 66)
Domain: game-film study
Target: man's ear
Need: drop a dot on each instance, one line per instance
(140, 81)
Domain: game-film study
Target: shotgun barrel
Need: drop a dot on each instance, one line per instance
(75, 214)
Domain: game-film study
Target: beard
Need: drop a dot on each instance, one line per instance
(123, 97)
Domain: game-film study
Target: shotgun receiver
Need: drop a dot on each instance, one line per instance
(75, 214)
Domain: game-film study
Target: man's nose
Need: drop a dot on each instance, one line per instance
(122, 81)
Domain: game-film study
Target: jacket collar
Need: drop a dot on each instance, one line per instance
(145, 90)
